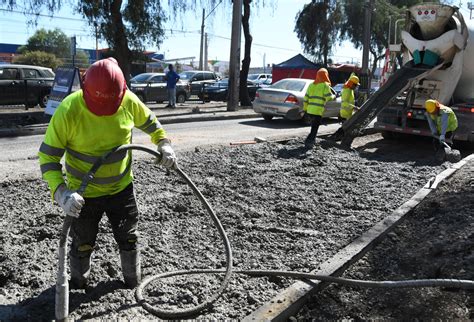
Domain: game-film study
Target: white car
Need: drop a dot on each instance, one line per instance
(287, 96)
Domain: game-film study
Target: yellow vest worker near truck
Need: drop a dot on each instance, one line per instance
(87, 124)
(317, 94)
(348, 98)
(441, 119)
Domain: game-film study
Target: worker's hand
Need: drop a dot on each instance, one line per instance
(442, 138)
(70, 201)
(168, 157)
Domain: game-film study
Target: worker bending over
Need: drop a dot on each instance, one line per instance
(348, 98)
(441, 119)
(317, 95)
(87, 124)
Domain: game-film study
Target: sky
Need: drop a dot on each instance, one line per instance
(272, 28)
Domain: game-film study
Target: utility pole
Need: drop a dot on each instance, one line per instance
(201, 60)
(234, 63)
(205, 51)
(365, 53)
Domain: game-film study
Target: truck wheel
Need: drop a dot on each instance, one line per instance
(43, 99)
(267, 117)
(181, 98)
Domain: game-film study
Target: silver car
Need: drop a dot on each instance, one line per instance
(285, 98)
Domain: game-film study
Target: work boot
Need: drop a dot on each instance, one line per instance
(131, 270)
(80, 270)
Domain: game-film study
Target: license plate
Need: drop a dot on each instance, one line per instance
(270, 109)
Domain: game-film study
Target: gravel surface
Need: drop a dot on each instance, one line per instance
(282, 207)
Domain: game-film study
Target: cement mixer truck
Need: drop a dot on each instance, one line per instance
(437, 49)
(434, 34)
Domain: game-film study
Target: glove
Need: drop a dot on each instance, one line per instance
(70, 201)
(168, 157)
(442, 138)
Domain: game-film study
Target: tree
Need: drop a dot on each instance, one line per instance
(317, 27)
(244, 71)
(38, 58)
(50, 41)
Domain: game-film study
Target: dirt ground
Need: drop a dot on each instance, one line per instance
(280, 205)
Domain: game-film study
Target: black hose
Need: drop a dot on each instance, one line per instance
(228, 251)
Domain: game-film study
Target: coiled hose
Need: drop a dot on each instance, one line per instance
(174, 314)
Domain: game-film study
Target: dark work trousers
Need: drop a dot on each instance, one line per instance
(122, 212)
(315, 122)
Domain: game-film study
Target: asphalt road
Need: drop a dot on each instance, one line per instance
(19, 154)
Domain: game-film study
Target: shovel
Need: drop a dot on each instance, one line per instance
(447, 153)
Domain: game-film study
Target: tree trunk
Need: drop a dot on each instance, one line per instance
(120, 42)
(244, 93)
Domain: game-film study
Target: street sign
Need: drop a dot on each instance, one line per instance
(66, 81)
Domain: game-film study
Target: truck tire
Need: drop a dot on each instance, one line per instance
(181, 98)
(43, 99)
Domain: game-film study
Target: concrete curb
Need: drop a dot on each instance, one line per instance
(289, 301)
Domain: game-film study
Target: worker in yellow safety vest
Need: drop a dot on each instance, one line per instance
(87, 124)
(317, 95)
(348, 98)
(441, 120)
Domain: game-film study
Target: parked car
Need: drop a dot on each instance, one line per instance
(219, 90)
(196, 80)
(25, 84)
(287, 95)
(258, 78)
(152, 87)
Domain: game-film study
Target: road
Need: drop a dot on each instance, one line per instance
(19, 154)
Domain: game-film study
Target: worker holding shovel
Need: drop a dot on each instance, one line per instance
(441, 119)
(87, 124)
(348, 98)
(317, 95)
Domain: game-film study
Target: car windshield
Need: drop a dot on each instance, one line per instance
(290, 85)
(140, 78)
(48, 73)
(187, 75)
(252, 77)
(224, 82)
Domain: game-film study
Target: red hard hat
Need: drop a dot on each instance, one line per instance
(103, 87)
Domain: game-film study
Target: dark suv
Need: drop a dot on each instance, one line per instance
(197, 78)
(152, 87)
(25, 84)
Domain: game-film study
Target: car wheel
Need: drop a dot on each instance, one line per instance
(43, 99)
(159, 102)
(267, 117)
(181, 98)
(141, 97)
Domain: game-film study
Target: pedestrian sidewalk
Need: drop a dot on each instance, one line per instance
(186, 112)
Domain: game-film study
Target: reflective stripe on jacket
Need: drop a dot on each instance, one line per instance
(316, 97)
(347, 103)
(83, 137)
(452, 121)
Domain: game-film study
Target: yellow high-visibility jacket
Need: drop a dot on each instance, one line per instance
(440, 119)
(316, 97)
(347, 103)
(84, 136)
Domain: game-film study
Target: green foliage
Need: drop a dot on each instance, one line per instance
(51, 41)
(317, 27)
(38, 58)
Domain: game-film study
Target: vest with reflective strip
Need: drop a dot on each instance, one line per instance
(84, 137)
(452, 119)
(316, 97)
(347, 102)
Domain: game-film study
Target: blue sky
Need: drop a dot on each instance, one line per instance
(271, 27)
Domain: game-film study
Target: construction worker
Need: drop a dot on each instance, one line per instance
(441, 119)
(86, 124)
(318, 93)
(348, 98)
